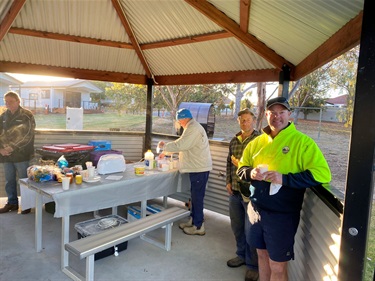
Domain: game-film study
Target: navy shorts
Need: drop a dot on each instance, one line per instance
(275, 232)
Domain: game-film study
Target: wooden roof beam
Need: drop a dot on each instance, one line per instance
(121, 45)
(69, 38)
(85, 74)
(247, 39)
(245, 15)
(133, 40)
(10, 17)
(193, 79)
(220, 77)
(187, 40)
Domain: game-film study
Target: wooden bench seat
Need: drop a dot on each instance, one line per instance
(89, 246)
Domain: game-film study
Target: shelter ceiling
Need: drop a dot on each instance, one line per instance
(174, 41)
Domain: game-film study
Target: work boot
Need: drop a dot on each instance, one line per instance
(8, 208)
(26, 211)
(186, 224)
(251, 275)
(235, 262)
(193, 230)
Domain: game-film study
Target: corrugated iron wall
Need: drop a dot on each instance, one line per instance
(317, 243)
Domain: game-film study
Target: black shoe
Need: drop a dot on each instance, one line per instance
(8, 208)
(235, 262)
(24, 212)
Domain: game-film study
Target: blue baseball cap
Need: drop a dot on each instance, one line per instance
(183, 113)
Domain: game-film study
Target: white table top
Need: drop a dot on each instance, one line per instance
(107, 193)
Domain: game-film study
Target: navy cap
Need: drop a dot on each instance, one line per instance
(183, 113)
(279, 100)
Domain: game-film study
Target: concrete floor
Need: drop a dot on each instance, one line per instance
(191, 257)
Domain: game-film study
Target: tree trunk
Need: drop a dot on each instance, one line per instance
(237, 104)
(261, 93)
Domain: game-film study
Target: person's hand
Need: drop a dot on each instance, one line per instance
(4, 152)
(160, 147)
(229, 189)
(161, 156)
(9, 149)
(274, 177)
(256, 174)
(234, 160)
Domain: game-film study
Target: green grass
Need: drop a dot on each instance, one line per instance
(101, 121)
(370, 264)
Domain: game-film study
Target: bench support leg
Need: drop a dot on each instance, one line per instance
(65, 221)
(90, 268)
(168, 236)
(167, 240)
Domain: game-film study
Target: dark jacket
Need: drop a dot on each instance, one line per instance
(17, 131)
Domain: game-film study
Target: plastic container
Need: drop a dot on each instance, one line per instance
(101, 145)
(139, 170)
(95, 155)
(149, 160)
(78, 179)
(94, 226)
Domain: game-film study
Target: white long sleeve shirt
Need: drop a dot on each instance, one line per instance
(193, 148)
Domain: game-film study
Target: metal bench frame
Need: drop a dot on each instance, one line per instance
(89, 246)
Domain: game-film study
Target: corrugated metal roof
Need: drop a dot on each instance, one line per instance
(155, 21)
(297, 30)
(212, 56)
(93, 19)
(128, 39)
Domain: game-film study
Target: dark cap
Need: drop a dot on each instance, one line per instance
(279, 100)
(246, 111)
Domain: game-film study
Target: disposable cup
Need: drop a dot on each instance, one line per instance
(91, 171)
(65, 183)
(263, 168)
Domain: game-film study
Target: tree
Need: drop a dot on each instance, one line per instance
(261, 92)
(126, 97)
(172, 96)
(98, 97)
(312, 91)
(343, 77)
(240, 92)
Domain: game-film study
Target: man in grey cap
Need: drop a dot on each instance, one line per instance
(195, 159)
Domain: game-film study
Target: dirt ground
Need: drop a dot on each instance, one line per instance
(332, 138)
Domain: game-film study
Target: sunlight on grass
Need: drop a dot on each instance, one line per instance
(101, 121)
(370, 263)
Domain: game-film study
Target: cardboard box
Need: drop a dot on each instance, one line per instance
(94, 226)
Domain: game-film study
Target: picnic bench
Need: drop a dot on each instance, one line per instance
(87, 247)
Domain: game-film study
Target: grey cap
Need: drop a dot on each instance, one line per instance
(246, 111)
